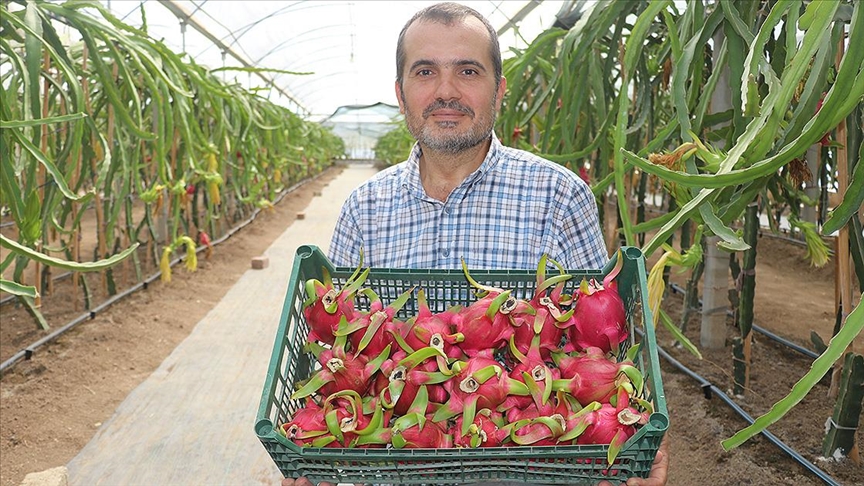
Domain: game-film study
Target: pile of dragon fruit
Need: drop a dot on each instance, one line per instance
(499, 372)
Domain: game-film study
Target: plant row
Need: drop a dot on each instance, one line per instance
(108, 123)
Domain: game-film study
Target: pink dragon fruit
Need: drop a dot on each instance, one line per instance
(479, 383)
(308, 428)
(412, 430)
(415, 431)
(538, 431)
(428, 329)
(550, 321)
(487, 324)
(540, 424)
(561, 403)
(592, 376)
(402, 376)
(489, 429)
(533, 371)
(600, 317)
(604, 424)
(347, 419)
(341, 370)
(325, 306)
(370, 332)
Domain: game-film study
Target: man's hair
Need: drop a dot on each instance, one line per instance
(448, 13)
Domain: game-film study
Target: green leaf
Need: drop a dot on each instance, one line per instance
(259, 70)
(852, 199)
(821, 365)
(731, 240)
(52, 169)
(677, 334)
(31, 226)
(15, 288)
(41, 121)
(65, 264)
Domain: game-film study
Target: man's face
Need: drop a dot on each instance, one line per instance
(448, 94)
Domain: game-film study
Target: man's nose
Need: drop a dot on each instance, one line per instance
(447, 88)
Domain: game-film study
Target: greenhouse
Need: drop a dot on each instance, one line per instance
(483, 242)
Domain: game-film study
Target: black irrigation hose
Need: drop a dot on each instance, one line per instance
(27, 352)
(789, 344)
(785, 236)
(710, 390)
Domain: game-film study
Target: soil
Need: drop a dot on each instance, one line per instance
(52, 404)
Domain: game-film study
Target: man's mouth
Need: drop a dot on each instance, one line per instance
(447, 111)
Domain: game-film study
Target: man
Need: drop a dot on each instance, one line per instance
(461, 194)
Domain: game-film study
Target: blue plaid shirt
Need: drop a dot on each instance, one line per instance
(505, 215)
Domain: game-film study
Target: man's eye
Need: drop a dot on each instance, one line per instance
(424, 72)
(469, 72)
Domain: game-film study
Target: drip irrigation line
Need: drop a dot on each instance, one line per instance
(789, 344)
(27, 352)
(710, 390)
(784, 236)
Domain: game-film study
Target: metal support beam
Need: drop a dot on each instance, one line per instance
(186, 18)
(521, 14)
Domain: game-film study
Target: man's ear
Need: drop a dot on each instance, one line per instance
(502, 88)
(399, 98)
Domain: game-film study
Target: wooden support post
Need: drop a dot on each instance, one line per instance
(844, 422)
(739, 367)
(76, 229)
(610, 213)
(107, 275)
(844, 262)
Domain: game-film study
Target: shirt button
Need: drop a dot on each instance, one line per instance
(445, 252)
(448, 211)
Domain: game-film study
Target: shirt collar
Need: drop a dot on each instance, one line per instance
(411, 172)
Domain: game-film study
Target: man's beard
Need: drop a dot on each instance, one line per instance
(451, 143)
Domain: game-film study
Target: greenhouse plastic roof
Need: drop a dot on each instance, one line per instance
(343, 52)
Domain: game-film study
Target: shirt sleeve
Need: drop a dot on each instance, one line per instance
(583, 246)
(345, 245)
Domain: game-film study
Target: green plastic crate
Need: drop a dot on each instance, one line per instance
(583, 464)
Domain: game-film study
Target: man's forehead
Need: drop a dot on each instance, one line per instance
(467, 22)
(418, 44)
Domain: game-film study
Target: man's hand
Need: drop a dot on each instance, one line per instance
(302, 482)
(659, 470)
